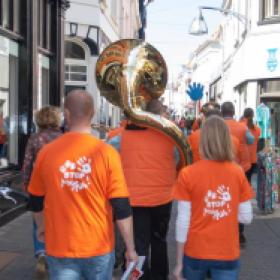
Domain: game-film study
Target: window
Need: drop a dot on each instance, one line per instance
(76, 68)
(270, 87)
(270, 9)
(10, 14)
(10, 123)
(44, 81)
(6, 14)
(74, 51)
(44, 23)
(75, 73)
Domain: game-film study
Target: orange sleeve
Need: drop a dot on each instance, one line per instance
(181, 187)
(116, 187)
(36, 186)
(247, 191)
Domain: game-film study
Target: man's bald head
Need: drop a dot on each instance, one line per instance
(79, 106)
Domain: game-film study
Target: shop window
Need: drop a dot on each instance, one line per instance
(10, 123)
(270, 9)
(270, 86)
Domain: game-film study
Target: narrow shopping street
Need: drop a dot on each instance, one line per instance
(260, 260)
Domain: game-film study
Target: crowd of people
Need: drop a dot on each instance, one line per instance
(80, 187)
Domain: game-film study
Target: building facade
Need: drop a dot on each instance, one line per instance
(31, 71)
(249, 69)
(91, 25)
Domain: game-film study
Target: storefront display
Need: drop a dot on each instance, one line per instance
(268, 179)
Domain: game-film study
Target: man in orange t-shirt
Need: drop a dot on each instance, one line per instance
(78, 182)
(194, 139)
(149, 161)
(245, 137)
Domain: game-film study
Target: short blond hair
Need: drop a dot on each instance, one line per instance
(215, 141)
(48, 117)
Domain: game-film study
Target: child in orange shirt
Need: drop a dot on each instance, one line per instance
(213, 196)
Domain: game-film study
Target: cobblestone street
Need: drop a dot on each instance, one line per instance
(260, 260)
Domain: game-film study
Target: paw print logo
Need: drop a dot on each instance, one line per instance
(224, 193)
(84, 165)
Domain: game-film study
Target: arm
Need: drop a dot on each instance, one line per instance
(123, 214)
(182, 228)
(245, 212)
(36, 205)
(115, 142)
(27, 164)
(249, 137)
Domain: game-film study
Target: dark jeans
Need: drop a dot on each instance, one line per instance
(251, 171)
(196, 269)
(150, 231)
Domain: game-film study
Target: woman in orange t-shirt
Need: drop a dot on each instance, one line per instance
(248, 119)
(213, 196)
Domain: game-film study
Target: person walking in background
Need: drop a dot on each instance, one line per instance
(246, 138)
(213, 195)
(248, 119)
(149, 160)
(194, 139)
(48, 121)
(78, 182)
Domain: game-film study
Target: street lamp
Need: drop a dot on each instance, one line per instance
(199, 27)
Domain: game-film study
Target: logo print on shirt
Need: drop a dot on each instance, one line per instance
(76, 174)
(217, 204)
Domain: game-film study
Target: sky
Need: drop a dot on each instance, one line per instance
(167, 29)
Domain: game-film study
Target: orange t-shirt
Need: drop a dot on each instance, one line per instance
(149, 166)
(78, 175)
(239, 131)
(215, 190)
(194, 140)
(253, 148)
(256, 132)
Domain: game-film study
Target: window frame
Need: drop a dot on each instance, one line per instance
(72, 63)
(14, 17)
(44, 17)
(273, 19)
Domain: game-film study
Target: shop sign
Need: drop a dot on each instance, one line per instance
(272, 61)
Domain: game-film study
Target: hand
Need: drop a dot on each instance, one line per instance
(177, 272)
(131, 256)
(41, 234)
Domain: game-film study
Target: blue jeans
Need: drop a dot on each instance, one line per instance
(196, 269)
(94, 268)
(39, 247)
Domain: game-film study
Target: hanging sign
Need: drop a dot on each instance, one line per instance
(195, 91)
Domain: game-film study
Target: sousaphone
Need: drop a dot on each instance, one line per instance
(130, 73)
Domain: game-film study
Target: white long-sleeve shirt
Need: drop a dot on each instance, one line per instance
(245, 216)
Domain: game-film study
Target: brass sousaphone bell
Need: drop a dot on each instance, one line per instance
(130, 73)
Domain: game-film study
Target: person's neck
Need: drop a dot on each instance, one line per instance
(80, 129)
